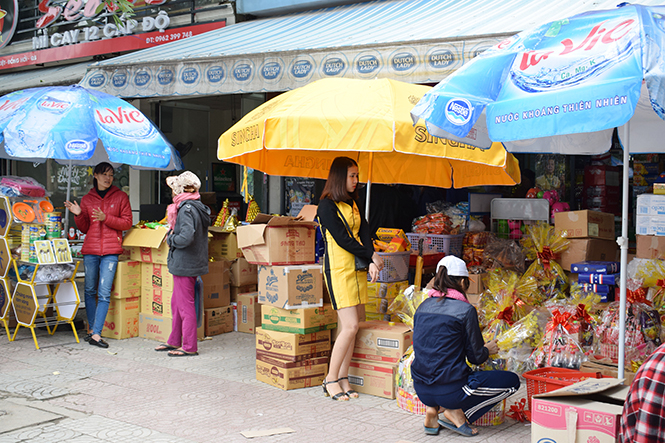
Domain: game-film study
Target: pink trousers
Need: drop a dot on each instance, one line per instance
(183, 330)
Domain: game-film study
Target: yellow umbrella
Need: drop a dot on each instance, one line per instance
(300, 132)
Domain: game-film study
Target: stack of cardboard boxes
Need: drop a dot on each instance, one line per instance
(293, 342)
(122, 319)
(602, 184)
(591, 236)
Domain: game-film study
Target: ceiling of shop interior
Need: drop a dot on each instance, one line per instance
(219, 102)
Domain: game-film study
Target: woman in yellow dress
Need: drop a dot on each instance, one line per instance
(346, 235)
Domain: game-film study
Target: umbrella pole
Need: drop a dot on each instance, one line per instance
(69, 186)
(369, 186)
(623, 243)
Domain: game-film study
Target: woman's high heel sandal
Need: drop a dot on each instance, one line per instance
(340, 396)
(350, 393)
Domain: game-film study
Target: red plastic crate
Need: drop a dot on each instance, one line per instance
(550, 379)
(429, 260)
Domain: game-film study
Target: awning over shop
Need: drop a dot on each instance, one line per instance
(417, 41)
(55, 76)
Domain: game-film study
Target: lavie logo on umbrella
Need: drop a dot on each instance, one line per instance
(122, 116)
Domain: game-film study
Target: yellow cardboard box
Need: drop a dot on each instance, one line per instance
(386, 290)
(159, 328)
(156, 276)
(156, 302)
(249, 312)
(298, 321)
(289, 346)
(127, 280)
(373, 378)
(291, 287)
(291, 375)
(218, 320)
(387, 235)
(381, 341)
(147, 245)
(277, 240)
(122, 319)
(223, 245)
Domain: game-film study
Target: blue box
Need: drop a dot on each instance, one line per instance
(595, 267)
(599, 279)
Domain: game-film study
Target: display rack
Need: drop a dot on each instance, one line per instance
(524, 209)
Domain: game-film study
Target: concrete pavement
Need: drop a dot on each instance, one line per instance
(75, 393)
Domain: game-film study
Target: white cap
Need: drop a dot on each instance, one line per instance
(455, 266)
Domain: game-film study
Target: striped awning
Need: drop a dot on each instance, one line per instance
(417, 41)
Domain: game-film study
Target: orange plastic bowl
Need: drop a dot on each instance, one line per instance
(45, 206)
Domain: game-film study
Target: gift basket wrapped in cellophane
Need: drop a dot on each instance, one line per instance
(543, 245)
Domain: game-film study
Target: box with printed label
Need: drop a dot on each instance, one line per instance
(585, 223)
(156, 276)
(587, 411)
(373, 377)
(216, 288)
(650, 204)
(218, 320)
(650, 225)
(386, 290)
(156, 302)
(291, 375)
(588, 249)
(277, 240)
(237, 290)
(159, 328)
(650, 246)
(289, 346)
(147, 245)
(291, 287)
(127, 280)
(298, 321)
(223, 244)
(249, 312)
(243, 273)
(122, 318)
(382, 341)
(387, 235)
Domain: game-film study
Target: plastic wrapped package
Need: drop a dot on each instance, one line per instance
(504, 253)
(651, 274)
(501, 305)
(13, 186)
(542, 244)
(406, 303)
(518, 343)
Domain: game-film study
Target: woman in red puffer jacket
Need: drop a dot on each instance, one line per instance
(103, 214)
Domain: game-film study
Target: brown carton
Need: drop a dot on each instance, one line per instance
(237, 290)
(243, 273)
(588, 249)
(249, 312)
(476, 285)
(373, 378)
(291, 287)
(289, 346)
(122, 319)
(585, 223)
(298, 321)
(382, 341)
(291, 375)
(216, 288)
(650, 246)
(277, 240)
(223, 244)
(127, 280)
(159, 328)
(218, 320)
(147, 245)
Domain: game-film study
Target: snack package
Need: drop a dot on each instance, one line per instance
(503, 253)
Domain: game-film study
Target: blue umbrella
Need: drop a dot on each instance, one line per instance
(562, 88)
(79, 126)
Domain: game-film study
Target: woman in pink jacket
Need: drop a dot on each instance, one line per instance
(103, 214)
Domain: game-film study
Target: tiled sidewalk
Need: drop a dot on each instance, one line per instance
(73, 392)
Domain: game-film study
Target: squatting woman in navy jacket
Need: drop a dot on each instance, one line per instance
(446, 334)
(103, 214)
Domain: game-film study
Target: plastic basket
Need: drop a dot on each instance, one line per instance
(430, 259)
(494, 416)
(409, 402)
(448, 244)
(395, 267)
(550, 379)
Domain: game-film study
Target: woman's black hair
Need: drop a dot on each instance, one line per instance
(101, 168)
(443, 282)
(335, 188)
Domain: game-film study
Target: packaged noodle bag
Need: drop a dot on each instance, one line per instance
(543, 244)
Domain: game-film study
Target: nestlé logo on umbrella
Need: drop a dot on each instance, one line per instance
(459, 111)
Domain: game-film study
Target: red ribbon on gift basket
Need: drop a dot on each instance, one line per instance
(582, 314)
(545, 257)
(517, 411)
(506, 315)
(637, 296)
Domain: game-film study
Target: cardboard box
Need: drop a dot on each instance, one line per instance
(291, 287)
(650, 225)
(216, 288)
(659, 188)
(291, 347)
(586, 223)
(381, 341)
(277, 240)
(249, 312)
(218, 321)
(223, 245)
(156, 302)
(476, 285)
(156, 276)
(373, 378)
(127, 281)
(650, 246)
(386, 290)
(298, 321)
(147, 245)
(650, 204)
(237, 290)
(588, 411)
(122, 319)
(291, 375)
(588, 249)
(387, 235)
(607, 368)
(377, 316)
(159, 328)
(243, 273)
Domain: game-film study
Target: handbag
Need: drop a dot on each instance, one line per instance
(362, 264)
